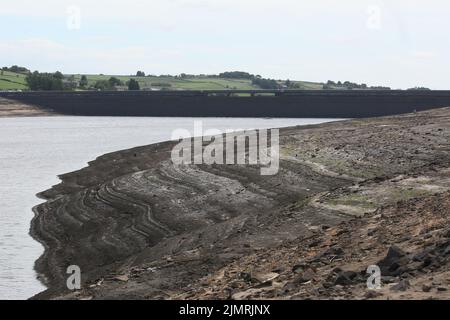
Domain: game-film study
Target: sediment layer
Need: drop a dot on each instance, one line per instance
(347, 194)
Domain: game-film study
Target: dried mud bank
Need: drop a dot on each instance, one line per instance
(12, 108)
(348, 195)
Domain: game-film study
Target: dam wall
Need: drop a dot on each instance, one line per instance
(245, 103)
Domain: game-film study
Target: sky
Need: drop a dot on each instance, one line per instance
(398, 43)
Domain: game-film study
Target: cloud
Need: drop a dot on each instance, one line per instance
(310, 40)
(48, 55)
(132, 9)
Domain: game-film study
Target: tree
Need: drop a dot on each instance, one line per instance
(102, 85)
(58, 75)
(17, 69)
(133, 85)
(140, 74)
(236, 75)
(83, 81)
(44, 81)
(113, 81)
(265, 83)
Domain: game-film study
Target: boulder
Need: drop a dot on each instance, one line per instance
(401, 286)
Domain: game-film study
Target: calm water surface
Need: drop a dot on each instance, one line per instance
(33, 151)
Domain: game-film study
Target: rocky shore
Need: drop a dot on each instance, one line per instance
(348, 195)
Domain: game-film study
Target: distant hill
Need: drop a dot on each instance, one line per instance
(16, 81)
(193, 82)
(235, 80)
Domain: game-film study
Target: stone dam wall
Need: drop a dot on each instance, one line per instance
(282, 104)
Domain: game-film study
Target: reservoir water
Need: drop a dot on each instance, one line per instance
(33, 151)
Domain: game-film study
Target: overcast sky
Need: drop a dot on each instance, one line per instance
(400, 43)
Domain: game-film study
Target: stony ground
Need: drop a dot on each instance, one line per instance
(348, 195)
(409, 241)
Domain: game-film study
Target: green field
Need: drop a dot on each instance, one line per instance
(307, 85)
(172, 83)
(16, 81)
(12, 81)
(197, 83)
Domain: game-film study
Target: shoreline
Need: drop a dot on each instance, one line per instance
(118, 220)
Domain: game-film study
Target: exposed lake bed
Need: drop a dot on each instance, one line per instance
(35, 150)
(349, 195)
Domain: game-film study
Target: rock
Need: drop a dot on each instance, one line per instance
(228, 293)
(338, 251)
(266, 278)
(314, 243)
(306, 276)
(442, 289)
(401, 286)
(391, 263)
(394, 252)
(427, 261)
(345, 278)
(288, 287)
(278, 269)
(298, 268)
(246, 295)
(371, 294)
(247, 277)
(388, 279)
(447, 250)
(123, 278)
(426, 288)
(337, 270)
(421, 256)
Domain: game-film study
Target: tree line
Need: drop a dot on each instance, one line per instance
(56, 81)
(16, 69)
(330, 85)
